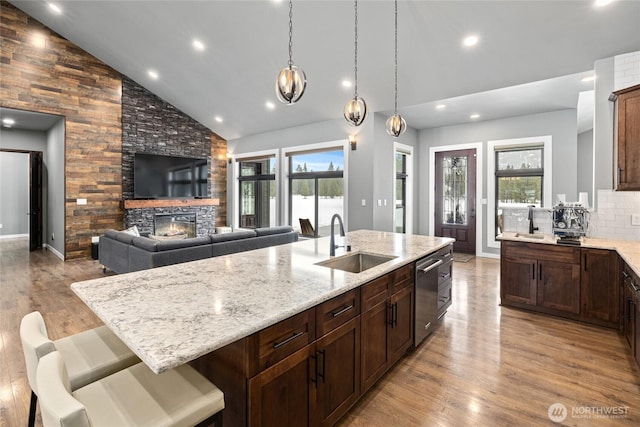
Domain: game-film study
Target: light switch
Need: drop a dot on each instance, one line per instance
(81, 201)
(385, 202)
(635, 219)
(364, 202)
(379, 202)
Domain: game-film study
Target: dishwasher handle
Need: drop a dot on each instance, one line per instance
(432, 266)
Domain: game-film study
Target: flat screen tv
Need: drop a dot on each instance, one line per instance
(169, 177)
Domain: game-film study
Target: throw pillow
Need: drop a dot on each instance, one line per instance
(133, 231)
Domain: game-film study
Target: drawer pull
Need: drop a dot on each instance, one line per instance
(432, 266)
(344, 310)
(447, 255)
(288, 340)
(443, 275)
(625, 274)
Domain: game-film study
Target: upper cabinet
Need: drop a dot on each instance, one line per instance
(627, 138)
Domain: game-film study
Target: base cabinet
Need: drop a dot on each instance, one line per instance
(631, 311)
(600, 296)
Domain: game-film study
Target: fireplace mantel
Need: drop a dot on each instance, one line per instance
(169, 203)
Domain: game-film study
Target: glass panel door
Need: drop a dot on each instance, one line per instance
(454, 200)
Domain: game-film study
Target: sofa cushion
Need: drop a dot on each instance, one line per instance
(120, 236)
(173, 237)
(267, 231)
(167, 245)
(235, 235)
(146, 243)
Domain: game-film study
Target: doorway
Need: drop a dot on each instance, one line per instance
(455, 198)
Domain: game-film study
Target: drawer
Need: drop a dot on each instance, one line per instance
(446, 253)
(445, 271)
(444, 296)
(402, 278)
(282, 339)
(337, 311)
(540, 251)
(374, 292)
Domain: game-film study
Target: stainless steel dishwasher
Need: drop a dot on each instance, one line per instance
(433, 291)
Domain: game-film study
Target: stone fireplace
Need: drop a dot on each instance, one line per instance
(175, 224)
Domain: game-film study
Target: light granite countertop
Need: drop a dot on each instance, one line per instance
(171, 315)
(629, 250)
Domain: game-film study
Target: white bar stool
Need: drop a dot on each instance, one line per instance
(89, 355)
(180, 397)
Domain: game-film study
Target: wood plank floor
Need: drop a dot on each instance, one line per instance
(485, 366)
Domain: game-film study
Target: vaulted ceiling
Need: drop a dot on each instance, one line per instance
(521, 43)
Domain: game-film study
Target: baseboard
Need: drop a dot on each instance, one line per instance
(488, 255)
(53, 251)
(15, 236)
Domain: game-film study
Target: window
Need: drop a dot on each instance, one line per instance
(519, 179)
(316, 188)
(257, 192)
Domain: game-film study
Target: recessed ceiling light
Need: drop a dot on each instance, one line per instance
(346, 83)
(218, 119)
(54, 8)
(470, 41)
(440, 107)
(588, 79)
(600, 3)
(474, 116)
(153, 74)
(197, 45)
(8, 122)
(270, 105)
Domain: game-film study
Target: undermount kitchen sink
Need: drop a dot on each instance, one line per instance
(356, 262)
(530, 236)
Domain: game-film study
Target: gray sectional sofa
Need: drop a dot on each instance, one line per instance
(122, 252)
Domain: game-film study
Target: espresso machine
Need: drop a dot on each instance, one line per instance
(570, 222)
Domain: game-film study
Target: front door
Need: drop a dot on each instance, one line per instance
(455, 201)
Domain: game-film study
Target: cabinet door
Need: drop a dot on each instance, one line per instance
(400, 328)
(338, 374)
(628, 321)
(628, 135)
(518, 280)
(279, 396)
(559, 286)
(636, 329)
(374, 344)
(599, 286)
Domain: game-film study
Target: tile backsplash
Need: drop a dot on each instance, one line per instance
(612, 220)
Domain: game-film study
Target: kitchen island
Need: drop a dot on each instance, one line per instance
(219, 313)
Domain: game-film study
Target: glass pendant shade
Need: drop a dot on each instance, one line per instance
(355, 111)
(396, 125)
(290, 84)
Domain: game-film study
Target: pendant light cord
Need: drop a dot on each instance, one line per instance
(355, 61)
(290, 32)
(395, 102)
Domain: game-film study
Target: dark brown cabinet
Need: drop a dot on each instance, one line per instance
(631, 311)
(627, 138)
(541, 277)
(387, 323)
(600, 293)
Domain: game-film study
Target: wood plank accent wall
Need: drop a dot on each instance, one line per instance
(43, 72)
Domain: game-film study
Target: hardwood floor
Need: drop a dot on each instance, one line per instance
(486, 365)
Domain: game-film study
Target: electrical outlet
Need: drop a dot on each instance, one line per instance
(635, 219)
(81, 201)
(53, 237)
(0, 225)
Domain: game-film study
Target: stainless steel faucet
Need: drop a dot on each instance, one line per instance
(333, 246)
(530, 218)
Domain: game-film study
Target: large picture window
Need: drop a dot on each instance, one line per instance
(257, 193)
(316, 188)
(519, 179)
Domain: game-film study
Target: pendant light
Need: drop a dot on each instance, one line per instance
(396, 125)
(356, 109)
(291, 81)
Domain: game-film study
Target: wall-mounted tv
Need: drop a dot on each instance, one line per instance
(169, 177)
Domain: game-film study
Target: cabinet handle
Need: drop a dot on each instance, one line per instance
(447, 255)
(395, 315)
(625, 274)
(288, 340)
(315, 369)
(620, 175)
(324, 366)
(432, 266)
(540, 272)
(342, 311)
(585, 262)
(634, 286)
(533, 271)
(443, 275)
(390, 315)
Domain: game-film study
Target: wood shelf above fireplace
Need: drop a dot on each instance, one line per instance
(169, 203)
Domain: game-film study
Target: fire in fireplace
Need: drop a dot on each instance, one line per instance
(175, 224)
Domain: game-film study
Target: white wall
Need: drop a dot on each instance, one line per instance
(561, 125)
(54, 192)
(14, 194)
(585, 164)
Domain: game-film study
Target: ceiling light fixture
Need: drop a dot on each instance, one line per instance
(396, 125)
(218, 119)
(474, 116)
(356, 109)
(291, 81)
(470, 41)
(601, 3)
(346, 83)
(440, 107)
(270, 105)
(153, 74)
(197, 45)
(54, 8)
(7, 122)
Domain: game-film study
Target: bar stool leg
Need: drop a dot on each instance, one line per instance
(32, 409)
